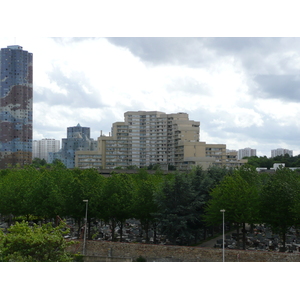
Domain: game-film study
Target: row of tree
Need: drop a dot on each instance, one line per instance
(169, 204)
(181, 205)
(265, 162)
(253, 198)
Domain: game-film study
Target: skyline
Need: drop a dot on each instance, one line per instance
(243, 91)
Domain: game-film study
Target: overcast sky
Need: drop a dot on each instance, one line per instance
(244, 91)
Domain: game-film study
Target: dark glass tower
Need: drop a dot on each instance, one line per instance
(15, 106)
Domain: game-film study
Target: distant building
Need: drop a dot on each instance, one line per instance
(246, 152)
(155, 138)
(41, 148)
(15, 106)
(78, 139)
(281, 151)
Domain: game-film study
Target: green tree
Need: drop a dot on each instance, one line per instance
(280, 198)
(144, 205)
(118, 194)
(24, 243)
(238, 194)
(39, 163)
(178, 209)
(16, 188)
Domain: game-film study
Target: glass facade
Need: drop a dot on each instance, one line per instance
(15, 106)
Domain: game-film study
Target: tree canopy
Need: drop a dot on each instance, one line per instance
(24, 243)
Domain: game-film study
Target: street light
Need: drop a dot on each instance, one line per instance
(84, 238)
(223, 211)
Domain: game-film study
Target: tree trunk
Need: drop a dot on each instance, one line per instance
(147, 233)
(244, 236)
(79, 227)
(283, 239)
(238, 235)
(89, 230)
(154, 233)
(121, 231)
(113, 227)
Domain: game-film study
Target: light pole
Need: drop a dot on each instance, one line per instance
(223, 211)
(85, 225)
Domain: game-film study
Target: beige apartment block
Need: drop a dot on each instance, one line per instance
(152, 137)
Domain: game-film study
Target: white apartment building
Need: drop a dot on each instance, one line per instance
(151, 137)
(41, 148)
(246, 152)
(281, 151)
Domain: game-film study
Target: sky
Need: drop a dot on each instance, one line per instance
(239, 84)
(245, 92)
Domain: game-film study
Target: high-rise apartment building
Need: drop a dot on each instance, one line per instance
(281, 151)
(78, 139)
(150, 137)
(41, 148)
(15, 106)
(246, 152)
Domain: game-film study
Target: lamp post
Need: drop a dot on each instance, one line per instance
(85, 225)
(223, 211)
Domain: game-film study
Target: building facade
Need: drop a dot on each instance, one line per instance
(148, 138)
(41, 148)
(15, 106)
(78, 139)
(246, 152)
(281, 151)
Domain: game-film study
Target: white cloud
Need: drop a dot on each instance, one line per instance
(93, 81)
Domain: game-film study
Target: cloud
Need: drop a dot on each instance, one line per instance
(188, 85)
(244, 91)
(284, 87)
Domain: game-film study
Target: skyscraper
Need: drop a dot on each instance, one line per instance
(15, 106)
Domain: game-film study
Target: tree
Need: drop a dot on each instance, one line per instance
(38, 163)
(118, 194)
(238, 194)
(144, 205)
(202, 183)
(16, 188)
(24, 243)
(178, 209)
(280, 198)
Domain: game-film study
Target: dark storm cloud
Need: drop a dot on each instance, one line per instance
(284, 87)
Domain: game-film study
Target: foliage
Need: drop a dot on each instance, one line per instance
(178, 209)
(118, 194)
(265, 162)
(24, 243)
(238, 194)
(280, 200)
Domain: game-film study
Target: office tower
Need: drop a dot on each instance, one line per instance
(281, 151)
(78, 139)
(15, 106)
(246, 152)
(41, 148)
